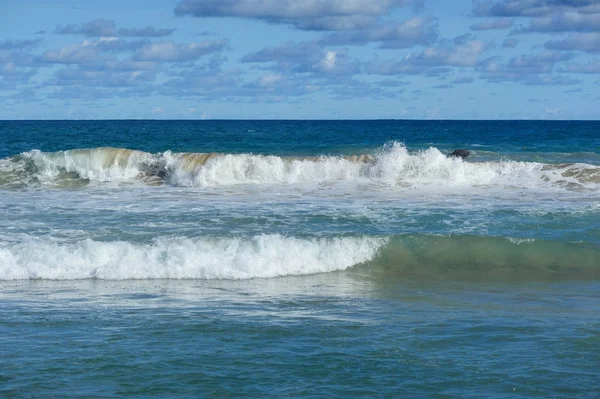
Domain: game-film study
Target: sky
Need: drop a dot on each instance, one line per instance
(300, 59)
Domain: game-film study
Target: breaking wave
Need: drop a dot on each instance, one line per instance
(392, 165)
(420, 257)
(263, 256)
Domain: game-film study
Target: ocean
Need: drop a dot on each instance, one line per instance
(299, 259)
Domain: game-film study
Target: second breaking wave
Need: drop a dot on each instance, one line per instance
(410, 257)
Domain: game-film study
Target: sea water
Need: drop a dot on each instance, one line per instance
(299, 259)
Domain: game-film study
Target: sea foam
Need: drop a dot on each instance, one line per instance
(392, 165)
(263, 256)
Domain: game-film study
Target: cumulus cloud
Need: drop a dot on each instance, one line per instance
(99, 78)
(127, 78)
(116, 45)
(286, 54)
(414, 31)
(270, 79)
(500, 23)
(122, 66)
(588, 42)
(81, 53)
(117, 61)
(465, 54)
(432, 61)
(545, 15)
(300, 68)
(89, 51)
(539, 63)
(532, 8)
(211, 83)
(107, 28)
(148, 31)
(12, 76)
(15, 66)
(529, 69)
(590, 67)
(305, 57)
(271, 86)
(402, 67)
(534, 64)
(97, 27)
(305, 15)
(169, 51)
(90, 93)
(564, 22)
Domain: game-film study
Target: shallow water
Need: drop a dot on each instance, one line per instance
(337, 334)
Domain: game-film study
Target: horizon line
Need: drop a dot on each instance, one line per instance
(298, 120)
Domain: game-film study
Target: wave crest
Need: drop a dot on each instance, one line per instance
(405, 257)
(263, 256)
(392, 165)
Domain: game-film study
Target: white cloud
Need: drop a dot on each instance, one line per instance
(412, 32)
(500, 23)
(148, 31)
(588, 42)
(175, 52)
(303, 14)
(463, 55)
(270, 79)
(97, 27)
(81, 53)
(328, 62)
(563, 22)
(533, 8)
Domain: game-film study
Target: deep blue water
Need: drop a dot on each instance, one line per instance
(300, 137)
(299, 259)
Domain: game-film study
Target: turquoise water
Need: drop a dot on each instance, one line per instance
(299, 259)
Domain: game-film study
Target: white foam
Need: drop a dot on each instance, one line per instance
(263, 256)
(393, 166)
(97, 164)
(260, 169)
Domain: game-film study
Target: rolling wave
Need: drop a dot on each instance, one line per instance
(419, 257)
(263, 256)
(392, 165)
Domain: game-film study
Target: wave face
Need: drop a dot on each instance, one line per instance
(393, 165)
(480, 258)
(74, 167)
(265, 256)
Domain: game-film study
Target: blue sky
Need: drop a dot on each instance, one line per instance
(300, 59)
